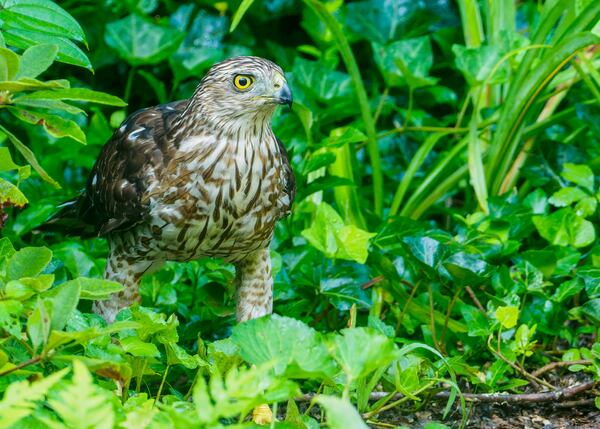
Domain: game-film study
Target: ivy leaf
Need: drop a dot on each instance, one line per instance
(336, 240)
(507, 316)
(566, 196)
(406, 62)
(579, 174)
(476, 64)
(564, 227)
(140, 42)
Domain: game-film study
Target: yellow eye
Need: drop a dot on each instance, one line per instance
(243, 81)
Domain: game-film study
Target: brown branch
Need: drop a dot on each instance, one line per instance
(558, 364)
(475, 300)
(22, 365)
(555, 395)
(372, 282)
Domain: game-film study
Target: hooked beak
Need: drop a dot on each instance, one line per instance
(284, 95)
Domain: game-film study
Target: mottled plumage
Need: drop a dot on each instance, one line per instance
(204, 177)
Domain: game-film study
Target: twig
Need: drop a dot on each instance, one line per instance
(22, 365)
(552, 365)
(475, 300)
(528, 376)
(575, 404)
(372, 282)
(557, 395)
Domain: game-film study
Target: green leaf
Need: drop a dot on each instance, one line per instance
(564, 228)
(29, 84)
(68, 52)
(406, 62)
(9, 64)
(340, 413)
(140, 42)
(566, 196)
(139, 348)
(579, 174)
(76, 94)
(46, 104)
(96, 289)
(83, 405)
(42, 16)
(336, 240)
(239, 13)
(28, 262)
(11, 195)
(592, 309)
(29, 156)
(55, 125)
(476, 64)
(64, 299)
(292, 347)
(586, 207)
(36, 59)
(39, 322)
(360, 351)
(507, 316)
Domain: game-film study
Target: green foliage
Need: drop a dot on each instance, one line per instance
(445, 232)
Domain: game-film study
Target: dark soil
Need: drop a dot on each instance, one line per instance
(573, 415)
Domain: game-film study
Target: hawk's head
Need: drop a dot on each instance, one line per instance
(242, 88)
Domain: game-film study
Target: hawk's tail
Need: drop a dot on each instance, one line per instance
(67, 221)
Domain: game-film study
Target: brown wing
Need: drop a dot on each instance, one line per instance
(133, 157)
(288, 173)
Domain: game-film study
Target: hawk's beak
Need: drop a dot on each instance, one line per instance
(284, 95)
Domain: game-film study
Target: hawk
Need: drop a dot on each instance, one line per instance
(203, 177)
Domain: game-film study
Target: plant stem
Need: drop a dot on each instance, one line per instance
(361, 94)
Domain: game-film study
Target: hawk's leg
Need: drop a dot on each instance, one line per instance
(254, 286)
(124, 270)
(254, 289)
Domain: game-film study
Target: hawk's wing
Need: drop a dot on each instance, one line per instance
(288, 174)
(134, 156)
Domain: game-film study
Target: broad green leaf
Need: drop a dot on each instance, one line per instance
(360, 351)
(96, 289)
(29, 84)
(76, 94)
(68, 52)
(140, 42)
(36, 59)
(579, 174)
(39, 323)
(586, 207)
(292, 347)
(566, 196)
(64, 300)
(28, 262)
(46, 104)
(9, 64)
(336, 240)
(177, 355)
(10, 318)
(382, 21)
(592, 309)
(568, 289)
(564, 228)
(341, 414)
(476, 64)
(406, 62)
(137, 347)
(55, 125)
(42, 16)
(11, 195)
(507, 316)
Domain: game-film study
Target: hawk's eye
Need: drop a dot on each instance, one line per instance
(243, 81)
